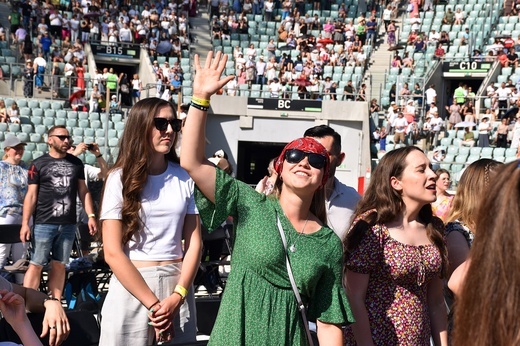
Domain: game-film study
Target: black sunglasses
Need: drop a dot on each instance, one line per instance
(62, 137)
(161, 124)
(315, 160)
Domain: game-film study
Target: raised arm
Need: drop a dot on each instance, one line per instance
(207, 82)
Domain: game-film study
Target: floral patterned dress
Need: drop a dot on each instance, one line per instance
(396, 296)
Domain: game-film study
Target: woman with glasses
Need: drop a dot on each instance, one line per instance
(258, 304)
(395, 256)
(13, 187)
(147, 211)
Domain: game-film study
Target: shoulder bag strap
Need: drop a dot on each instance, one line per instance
(301, 306)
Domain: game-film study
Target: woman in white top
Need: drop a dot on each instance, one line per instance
(147, 211)
(137, 86)
(483, 132)
(13, 113)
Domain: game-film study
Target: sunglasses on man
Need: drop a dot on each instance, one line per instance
(62, 137)
(315, 160)
(161, 124)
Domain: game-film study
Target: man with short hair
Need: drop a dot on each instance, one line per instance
(348, 92)
(55, 179)
(340, 199)
(400, 124)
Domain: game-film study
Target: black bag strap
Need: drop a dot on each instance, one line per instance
(301, 306)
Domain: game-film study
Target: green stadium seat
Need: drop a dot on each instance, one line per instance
(41, 129)
(27, 128)
(95, 124)
(36, 154)
(77, 139)
(511, 152)
(91, 116)
(30, 146)
(59, 113)
(475, 151)
(45, 105)
(27, 156)
(72, 123)
(472, 158)
(77, 131)
(14, 128)
(113, 142)
(89, 132)
(487, 153)
(42, 147)
(24, 137)
(25, 111)
(56, 105)
(35, 138)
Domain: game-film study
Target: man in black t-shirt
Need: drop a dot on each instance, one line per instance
(512, 58)
(55, 179)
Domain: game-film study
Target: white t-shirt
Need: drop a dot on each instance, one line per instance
(503, 93)
(431, 94)
(436, 123)
(166, 199)
(400, 124)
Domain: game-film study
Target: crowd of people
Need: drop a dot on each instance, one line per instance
(347, 254)
(340, 42)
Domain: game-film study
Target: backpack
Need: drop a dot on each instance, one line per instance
(81, 292)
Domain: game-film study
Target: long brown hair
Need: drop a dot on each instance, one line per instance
(388, 203)
(471, 191)
(488, 310)
(134, 150)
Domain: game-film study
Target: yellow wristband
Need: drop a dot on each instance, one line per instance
(92, 215)
(181, 291)
(202, 102)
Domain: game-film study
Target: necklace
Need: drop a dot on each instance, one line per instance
(292, 248)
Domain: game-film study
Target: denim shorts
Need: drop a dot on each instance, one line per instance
(52, 241)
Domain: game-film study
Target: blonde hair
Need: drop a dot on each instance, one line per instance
(471, 191)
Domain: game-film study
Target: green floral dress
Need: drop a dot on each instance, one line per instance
(258, 306)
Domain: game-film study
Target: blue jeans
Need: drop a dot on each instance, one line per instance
(52, 241)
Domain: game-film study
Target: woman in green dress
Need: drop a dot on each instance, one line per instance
(258, 306)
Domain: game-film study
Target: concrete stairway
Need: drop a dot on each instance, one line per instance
(379, 65)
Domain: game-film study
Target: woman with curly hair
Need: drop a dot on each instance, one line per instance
(147, 211)
(395, 257)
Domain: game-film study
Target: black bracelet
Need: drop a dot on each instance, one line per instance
(202, 108)
(154, 304)
(98, 156)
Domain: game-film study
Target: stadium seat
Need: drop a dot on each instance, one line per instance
(35, 138)
(475, 151)
(45, 105)
(511, 152)
(464, 151)
(42, 147)
(36, 154)
(29, 146)
(453, 150)
(36, 112)
(59, 113)
(89, 132)
(499, 153)
(59, 121)
(14, 128)
(27, 156)
(486, 153)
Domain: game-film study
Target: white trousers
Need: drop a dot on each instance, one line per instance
(125, 320)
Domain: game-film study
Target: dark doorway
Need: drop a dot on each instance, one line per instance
(129, 70)
(253, 159)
